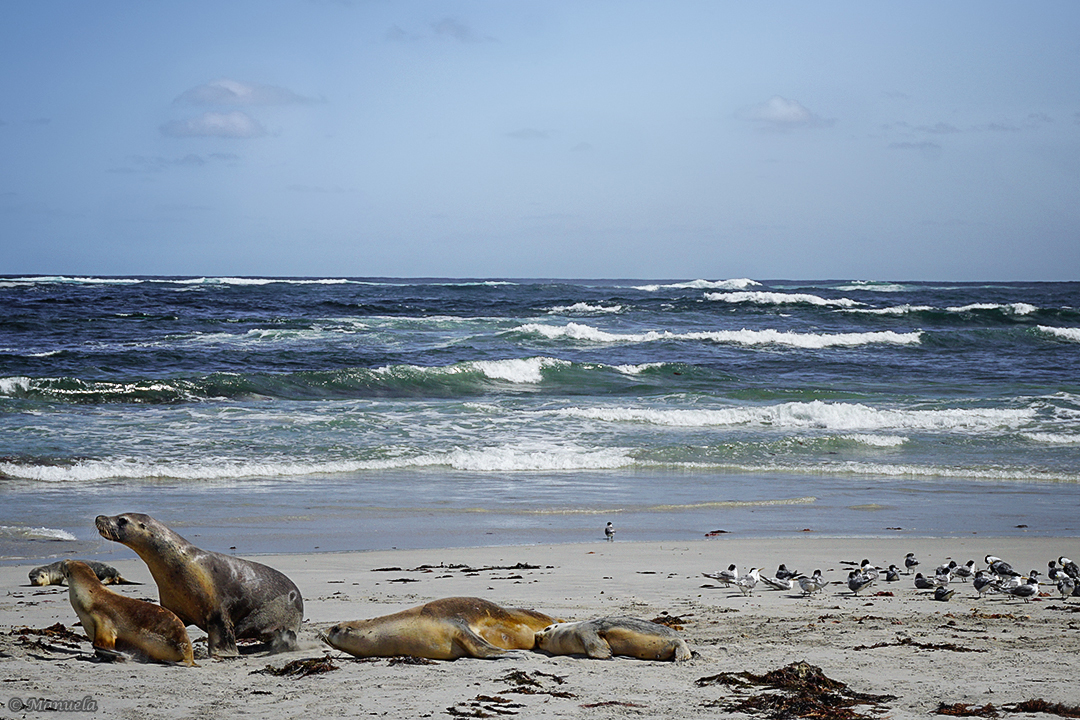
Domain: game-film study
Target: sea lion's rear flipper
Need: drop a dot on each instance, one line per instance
(595, 646)
(109, 654)
(468, 644)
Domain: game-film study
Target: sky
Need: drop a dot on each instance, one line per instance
(557, 139)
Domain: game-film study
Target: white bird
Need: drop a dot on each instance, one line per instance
(609, 531)
(748, 582)
(870, 571)
(725, 576)
(812, 584)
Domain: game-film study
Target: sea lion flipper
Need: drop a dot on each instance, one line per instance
(467, 643)
(595, 646)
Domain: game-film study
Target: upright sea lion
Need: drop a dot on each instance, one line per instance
(603, 637)
(114, 622)
(53, 575)
(444, 629)
(228, 597)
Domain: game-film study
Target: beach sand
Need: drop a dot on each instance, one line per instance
(971, 650)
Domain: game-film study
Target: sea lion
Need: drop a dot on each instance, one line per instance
(225, 596)
(114, 622)
(603, 637)
(444, 629)
(53, 575)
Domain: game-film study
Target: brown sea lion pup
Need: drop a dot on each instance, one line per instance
(53, 575)
(225, 596)
(603, 637)
(114, 622)
(444, 629)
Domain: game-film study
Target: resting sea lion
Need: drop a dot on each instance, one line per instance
(115, 622)
(603, 637)
(53, 575)
(228, 597)
(444, 629)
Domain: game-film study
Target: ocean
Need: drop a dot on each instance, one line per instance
(260, 415)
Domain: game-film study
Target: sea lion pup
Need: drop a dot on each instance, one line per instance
(225, 596)
(444, 629)
(114, 622)
(603, 637)
(53, 575)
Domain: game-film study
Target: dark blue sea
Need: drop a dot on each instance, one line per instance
(278, 415)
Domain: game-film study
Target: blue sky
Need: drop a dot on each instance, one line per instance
(885, 140)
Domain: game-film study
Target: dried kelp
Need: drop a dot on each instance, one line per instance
(1042, 706)
(798, 690)
(922, 646)
(966, 710)
(301, 668)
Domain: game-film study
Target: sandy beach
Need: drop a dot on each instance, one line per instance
(891, 641)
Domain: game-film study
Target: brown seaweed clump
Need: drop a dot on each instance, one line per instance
(797, 690)
(301, 668)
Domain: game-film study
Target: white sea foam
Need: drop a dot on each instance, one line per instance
(1011, 308)
(1065, 333)
(54, 279)
(774, 298)
(32, 533)
(14, 385)
(816, 414)
(583, 308)
(637, 369)
(515, 370)
(898, 310)
(577, 331)
(736, 284)
(1053, 438)
(881, 441)
(873, 286)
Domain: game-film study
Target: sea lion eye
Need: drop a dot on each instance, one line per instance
(122, 521)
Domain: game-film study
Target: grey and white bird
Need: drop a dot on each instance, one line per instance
(983, 582)
(1070, 568)
(1066, 586)
(858, 580)
(965, 572)
(910, 562)
(892, 574)
(782, 573)
(748, 582)
(1027, 590)
(943, 593)
(999, 567)
(943, 575)
(778, 583)
(811, 584)
(609, 531)
(923, 583)
(727, 577)
(1053, 572)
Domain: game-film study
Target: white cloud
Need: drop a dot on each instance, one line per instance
(778, 113)
(235, 124)
(230, 92)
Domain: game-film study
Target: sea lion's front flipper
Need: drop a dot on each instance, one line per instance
(468, 644)
(595, 646)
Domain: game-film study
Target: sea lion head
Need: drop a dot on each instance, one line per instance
(40, 576)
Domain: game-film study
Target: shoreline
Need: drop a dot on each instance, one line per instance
(900, 643)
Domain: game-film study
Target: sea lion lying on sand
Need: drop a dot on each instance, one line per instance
(444, 629)
(228, 597)
(114, 622)
(53, 575)
(603, 637)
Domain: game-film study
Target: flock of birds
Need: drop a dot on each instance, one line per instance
(997, 577)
